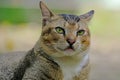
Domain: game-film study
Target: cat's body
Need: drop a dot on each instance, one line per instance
(29, 66)
(61, 53)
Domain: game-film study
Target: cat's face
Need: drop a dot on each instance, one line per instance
(64, 35)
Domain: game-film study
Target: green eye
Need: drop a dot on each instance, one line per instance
(80, 32)
(60, 30)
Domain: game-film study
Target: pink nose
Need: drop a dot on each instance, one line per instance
(71, 41)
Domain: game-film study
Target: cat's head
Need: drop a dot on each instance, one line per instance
(64, 34)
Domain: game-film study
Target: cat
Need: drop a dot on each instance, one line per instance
(61, 53)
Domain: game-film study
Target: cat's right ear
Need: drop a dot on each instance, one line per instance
(46, 13)
(87, 16)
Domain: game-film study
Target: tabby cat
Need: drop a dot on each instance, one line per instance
(61, 53)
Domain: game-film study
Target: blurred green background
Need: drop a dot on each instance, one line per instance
(20, 27)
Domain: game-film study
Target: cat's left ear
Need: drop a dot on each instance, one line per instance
(47, 14)
(87, 16)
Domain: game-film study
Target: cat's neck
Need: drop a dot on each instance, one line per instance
(37, 46)
(71, 60)
(72, 66)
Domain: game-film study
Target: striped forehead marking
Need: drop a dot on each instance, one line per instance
(70, 18)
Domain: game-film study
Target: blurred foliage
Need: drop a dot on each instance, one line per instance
(106, 23)
(20, 15)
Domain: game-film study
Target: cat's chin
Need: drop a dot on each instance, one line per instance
(63, 53)
(69, 52)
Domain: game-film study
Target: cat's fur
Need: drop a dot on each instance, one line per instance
(57, 55)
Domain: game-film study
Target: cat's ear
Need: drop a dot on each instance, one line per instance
(87, 16)
(46, 13)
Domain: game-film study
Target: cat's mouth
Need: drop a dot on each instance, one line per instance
(70, 48)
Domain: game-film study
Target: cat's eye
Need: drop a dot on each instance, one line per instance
(80, 32)
(60, 30)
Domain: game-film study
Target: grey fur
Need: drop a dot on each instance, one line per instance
(69, 17)
(28, 66)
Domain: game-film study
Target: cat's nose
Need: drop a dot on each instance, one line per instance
(71, 41)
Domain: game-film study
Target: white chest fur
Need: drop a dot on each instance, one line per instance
(72, 66)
